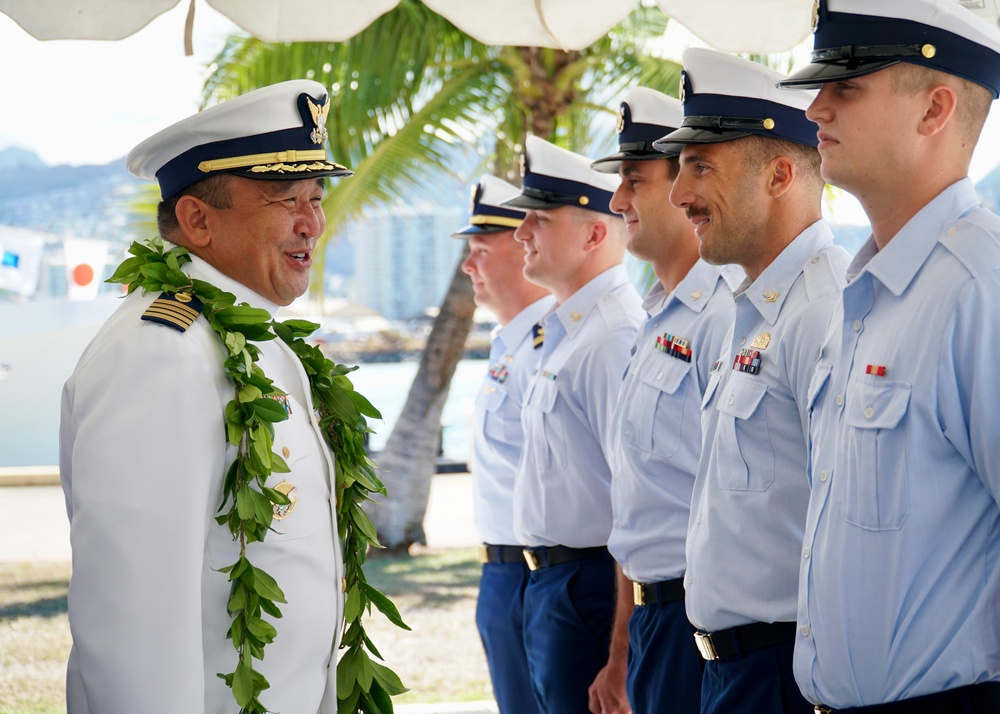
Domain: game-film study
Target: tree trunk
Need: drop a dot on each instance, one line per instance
(409, 459)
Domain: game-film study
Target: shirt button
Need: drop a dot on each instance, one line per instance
(840, 400)
(698, 519)
(732, 398)
(824, 475)
(857, 325)
(869, 413)
(660, 375)
(814, 261)
(805, 553)
(743, 340)
(804, 631)
(286, 451)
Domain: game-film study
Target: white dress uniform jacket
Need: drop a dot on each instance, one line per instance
(143, 453)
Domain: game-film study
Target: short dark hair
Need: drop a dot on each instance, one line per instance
(214, 191)
(758, 150)
(974, 100)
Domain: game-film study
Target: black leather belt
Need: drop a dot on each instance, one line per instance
(975, 699)
(743, 639)
(500, 553)
(662, 592)
(546, 556)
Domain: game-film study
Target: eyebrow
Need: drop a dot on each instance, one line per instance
(274, 188)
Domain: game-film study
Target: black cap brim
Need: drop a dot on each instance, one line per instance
(530, 203)
(611, 164)
(819, 73)
(672, 143)
(484, 229)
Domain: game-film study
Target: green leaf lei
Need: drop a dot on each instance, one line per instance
(363, 685)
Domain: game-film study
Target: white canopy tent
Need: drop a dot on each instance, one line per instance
(731, 25)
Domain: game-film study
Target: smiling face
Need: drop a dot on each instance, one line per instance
(724, 199)
(653, 226)
(553, 241)
(266, 237)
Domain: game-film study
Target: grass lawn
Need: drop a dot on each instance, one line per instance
(435, 591)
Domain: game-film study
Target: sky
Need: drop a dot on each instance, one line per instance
(89, 102)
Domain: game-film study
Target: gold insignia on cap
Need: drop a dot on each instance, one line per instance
(681, 87)
(770, 295)
(768, 123)
(620, 126)
(524, 165)
(284, 511)
(575, 316)
(472, 200)
(928, 51)
(584, 200)
(761, 341)
(815, 15)
(319, 113)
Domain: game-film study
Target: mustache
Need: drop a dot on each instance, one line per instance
(693, 211)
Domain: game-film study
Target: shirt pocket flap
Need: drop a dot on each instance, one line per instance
(880, 406)
(545, 394)
(668, 378)
(742, 397)
(714, 377)
(492, 397)
(816, 384)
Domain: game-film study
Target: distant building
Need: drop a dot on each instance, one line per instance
(404, 258)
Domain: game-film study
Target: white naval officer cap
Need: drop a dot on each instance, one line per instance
(853, 38)
(486, 211)
(277, 132)
(644, 116)
(555, 177)
(726, 97)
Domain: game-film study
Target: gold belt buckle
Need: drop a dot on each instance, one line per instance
(820, 709)
(705, 646)
(484, 554)
(638, 594)
(531, 559)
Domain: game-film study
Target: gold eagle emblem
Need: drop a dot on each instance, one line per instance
(319, 113)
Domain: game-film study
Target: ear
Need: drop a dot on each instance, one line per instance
(941, 103)
(780, 173)
(192, 218)
(598, 233)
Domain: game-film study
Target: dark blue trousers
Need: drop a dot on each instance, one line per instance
(757, 682)
(664, 667)
(568, 610)
(500, 618)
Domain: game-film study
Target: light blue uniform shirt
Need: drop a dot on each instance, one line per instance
(497, 435)
(900, 567)
(562, 490)
(749, 504)
(656, 427)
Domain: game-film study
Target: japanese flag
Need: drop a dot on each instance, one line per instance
(85, 260)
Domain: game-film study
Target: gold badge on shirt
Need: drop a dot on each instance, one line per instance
(284, 511)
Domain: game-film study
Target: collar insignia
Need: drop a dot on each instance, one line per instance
(770, 295)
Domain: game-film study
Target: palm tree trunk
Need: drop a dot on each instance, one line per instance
(408, 461)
